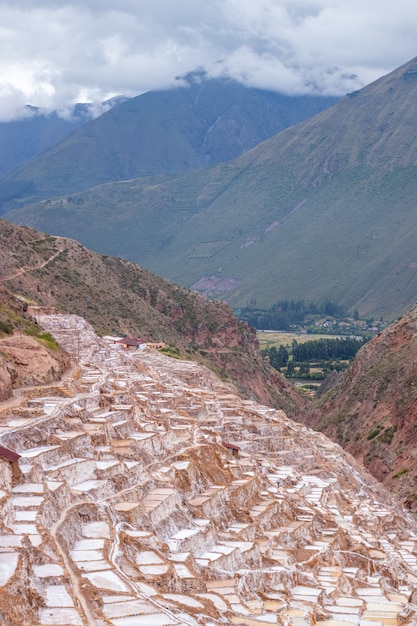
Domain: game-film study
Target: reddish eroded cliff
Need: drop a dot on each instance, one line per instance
(25, 360)
(28, 362)
(372, 409)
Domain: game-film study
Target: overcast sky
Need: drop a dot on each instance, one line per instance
(54, 53)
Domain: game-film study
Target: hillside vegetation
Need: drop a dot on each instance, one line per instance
(325, 210)
(117, 296)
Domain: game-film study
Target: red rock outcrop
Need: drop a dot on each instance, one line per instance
(6, 389)
(31, 363)
(372, 410)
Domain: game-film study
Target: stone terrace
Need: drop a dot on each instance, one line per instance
(125, 507)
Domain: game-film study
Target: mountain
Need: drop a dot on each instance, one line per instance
(117, 296)
(324, 210)
(25, 138)
(38, 130)
(372, 409)
(170, 132)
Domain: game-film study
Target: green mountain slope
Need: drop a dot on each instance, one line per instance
(324, 210)
(171, 131)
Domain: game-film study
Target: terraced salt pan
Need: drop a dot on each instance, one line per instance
(17, 423)
(10, 541)
(53, 484)
(23, 502)
(182, 571)
(8, 564)
(148, 558)
(337, 622)
(32, 488)
(86, 555)
(25, 516)
(306, 593)
(95, 530)
(48, 570)
(89, 485)
(107, 464)
(184, 533)
(92, 566)
(25, 529)
(107, 579)
(58, 596)
(156, 619)
(154, 570)
(187, 600)
(89, 544)
(52, 617)
(262, 456)
(128, 608)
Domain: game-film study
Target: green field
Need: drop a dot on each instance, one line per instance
(276, 338)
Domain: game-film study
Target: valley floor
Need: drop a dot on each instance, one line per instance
(126, 507)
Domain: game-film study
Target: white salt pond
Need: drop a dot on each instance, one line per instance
(128, 608)
(32, 488)
(25, 516)
(10, 541)
(58, 596)
(148, 557)
(96, 529)
(92, 566)
(107, 580)
(22, 502)
(54, 616)
(182, 571)
(8, 564)
(48, 570)
(86, 555)
(153, 570)
(88, 485)
(34, 452)
(89, 544)
(156, 619)
(187, 600)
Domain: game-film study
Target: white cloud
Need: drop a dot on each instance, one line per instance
(53, 53)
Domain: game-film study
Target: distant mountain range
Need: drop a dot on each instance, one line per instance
(168, 132)
(38, 130)
(324, 210)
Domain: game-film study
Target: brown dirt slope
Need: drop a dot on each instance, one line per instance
(372, 409)
(26, 356)
(117, 296)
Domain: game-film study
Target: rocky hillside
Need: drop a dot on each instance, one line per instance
(372, 409)
(28, 356)
(117, 296)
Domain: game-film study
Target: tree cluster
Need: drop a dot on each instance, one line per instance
(322, 354)
(326, 349)
(285, 313)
